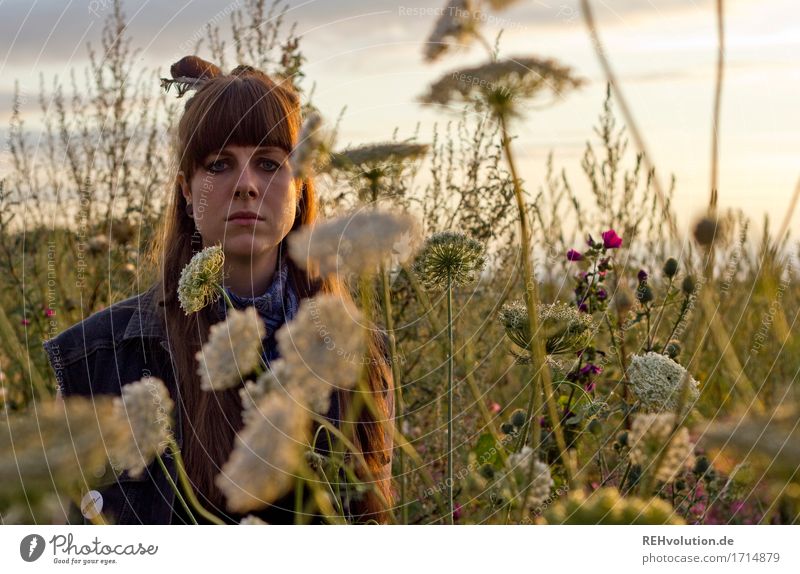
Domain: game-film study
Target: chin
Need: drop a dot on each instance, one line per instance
(245, 245)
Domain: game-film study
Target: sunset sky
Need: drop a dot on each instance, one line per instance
(367, 55)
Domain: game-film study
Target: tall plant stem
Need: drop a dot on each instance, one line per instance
(541, 370)
(450, 485)
(183, 478)
(398, 388)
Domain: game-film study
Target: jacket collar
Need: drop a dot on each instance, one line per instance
(146, 319)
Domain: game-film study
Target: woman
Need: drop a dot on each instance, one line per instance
(235, 186)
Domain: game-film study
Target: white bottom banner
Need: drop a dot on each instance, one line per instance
(401, 549)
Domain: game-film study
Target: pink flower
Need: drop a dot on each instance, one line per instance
(495, 408)
(49, 312)
(611, 240)
(26, 321)
(456, 511)
(573, 255)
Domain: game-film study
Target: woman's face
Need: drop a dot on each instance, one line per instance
(244, 198)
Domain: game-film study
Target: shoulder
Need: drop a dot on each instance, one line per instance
(105, 329)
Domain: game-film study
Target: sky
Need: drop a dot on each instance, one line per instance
(367, 56)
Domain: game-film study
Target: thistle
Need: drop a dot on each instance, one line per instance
(233, 350)
(200, 280)
(357, 243)
(147, 407)
(564, 328)
(657, 382)
(449, 258)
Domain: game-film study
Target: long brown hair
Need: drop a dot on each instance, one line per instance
(247, 107)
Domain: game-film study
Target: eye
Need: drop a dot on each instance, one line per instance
(215, 166)
(269, 164)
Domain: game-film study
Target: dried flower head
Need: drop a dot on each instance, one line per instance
(607, 506)
(564, 328)
(267, 454)
(449, 256)
(707, 230)
(58, 445)
(356, 243)
(500, 84)
(322, 349)
(657, 382)
(377, 169)
(456, 26)
(233, 350)
(147, 407)
(200, 280)
(541, 482)
(311, 153)
(648, 437)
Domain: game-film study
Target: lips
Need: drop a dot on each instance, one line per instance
(244, 216)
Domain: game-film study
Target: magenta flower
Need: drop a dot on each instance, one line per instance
(26, 321)
(457, 511)
(49, 312)
(611, 240)
(573, 255)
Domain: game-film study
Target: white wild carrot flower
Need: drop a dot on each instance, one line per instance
(200, 280)
(657, 382)
(146, 407)
(499, 85)
(232, 351)
(266, 456)
(541, 482)
(648, 437)
(322, 348)
(356, 243)
(564, 327)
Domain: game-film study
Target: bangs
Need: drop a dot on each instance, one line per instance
(243, 111)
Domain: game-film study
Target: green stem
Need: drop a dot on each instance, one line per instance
(531, 298)
(450, 396)
(187, 485)
(398, 389)
(176, 490)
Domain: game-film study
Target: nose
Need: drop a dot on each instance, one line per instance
(247, 184)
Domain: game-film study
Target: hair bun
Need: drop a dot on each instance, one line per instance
(194, 67)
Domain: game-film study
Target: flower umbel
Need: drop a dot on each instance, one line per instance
(266, 455)
(449, 254)
(232, 351)
(564, 328)
(648, 436)
(322, 349)
(200, 280)
(656, 381)
(356, 243)
(147, 407)
(500, 84)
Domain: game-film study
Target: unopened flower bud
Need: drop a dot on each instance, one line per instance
(673, 349)
(518, 418)
(688, 286)
(671, 267)
(644, 294)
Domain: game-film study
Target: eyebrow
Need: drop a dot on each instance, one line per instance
(258, 149)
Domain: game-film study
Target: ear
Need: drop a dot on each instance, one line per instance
(185, 190)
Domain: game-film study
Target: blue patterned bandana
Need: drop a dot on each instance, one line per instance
(277, 305)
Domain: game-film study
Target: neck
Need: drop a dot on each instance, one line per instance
(250, 276)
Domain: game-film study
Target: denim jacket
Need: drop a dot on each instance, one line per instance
(119, 345)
